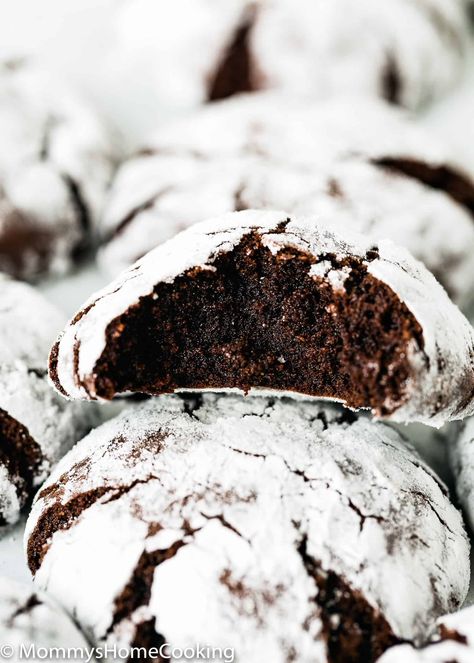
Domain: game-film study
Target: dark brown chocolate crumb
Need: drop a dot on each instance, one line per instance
(234, 73)
(21, 455)
(261, 320)
(354, 631)
(455, 184)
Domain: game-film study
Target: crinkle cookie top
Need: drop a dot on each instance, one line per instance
(273, 526)
(55, 164)
(36, 426)
(289, 131)
(28, 324)
(387, 177)
(303, 47)
(404, 350)
(28, 617)
(452, 643)
(461, 455)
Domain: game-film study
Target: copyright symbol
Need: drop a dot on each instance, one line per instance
(6, 651)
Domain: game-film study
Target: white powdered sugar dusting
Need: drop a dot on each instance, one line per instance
(28, 617)
(461, 456)
(29, 323)
(456, 645)
(243, 493)
(308, 160)
(55, 165)
(28, 326)
(442, 372)
(410, 51)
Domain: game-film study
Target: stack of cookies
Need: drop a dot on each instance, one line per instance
(246, 512)
(289, 287)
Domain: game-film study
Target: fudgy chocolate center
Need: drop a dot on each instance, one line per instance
(256, 319)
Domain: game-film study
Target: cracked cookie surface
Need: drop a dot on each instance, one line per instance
(55, 165)
(286, 529)
(28, 617)
(36, 427)
(259, 300)
(306, 48)
(375, 172)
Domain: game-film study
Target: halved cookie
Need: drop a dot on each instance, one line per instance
(260, 301)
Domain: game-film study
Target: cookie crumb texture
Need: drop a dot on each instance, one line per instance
(299, 47)
(255, 300)
(27, 617)
(55, 164)
(285, 529)
(376, 173)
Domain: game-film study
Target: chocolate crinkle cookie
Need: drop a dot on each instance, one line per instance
(36, 426)
(287, 530)
(372, 167)
(55, 164)
(30, 621)
(461, 456)
(453, 642)
(256, 300)
(406, 51)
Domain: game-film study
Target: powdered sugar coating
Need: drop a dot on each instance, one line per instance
(410, 51)
(307, 160)
(456, 646)
(28, 617)
(442, 652)
(242, 486)
(55, 164)
(441, 385)
(461, 455)
(28, 325)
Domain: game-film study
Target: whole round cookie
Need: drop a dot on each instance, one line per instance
(55, 165)
(453, 642)
(374, 166)
(31, 622)
(281, 529)
(258, 300)
(36, 427)
(302, 47)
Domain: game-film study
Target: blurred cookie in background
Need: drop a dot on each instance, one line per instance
(29, 620)
(371, 166)
(55, 164)
(406, 51)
